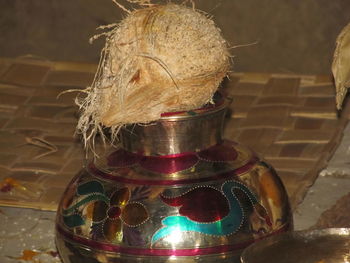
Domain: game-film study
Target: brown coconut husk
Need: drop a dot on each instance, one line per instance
(158, 59)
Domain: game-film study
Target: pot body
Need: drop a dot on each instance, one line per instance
(175, 191)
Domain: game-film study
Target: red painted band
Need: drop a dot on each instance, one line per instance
(157, 251)
(98, 173)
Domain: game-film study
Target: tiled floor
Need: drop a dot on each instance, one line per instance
(290, 120)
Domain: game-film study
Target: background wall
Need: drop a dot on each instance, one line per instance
(295, 36)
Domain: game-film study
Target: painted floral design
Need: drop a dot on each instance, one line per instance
(112, 216)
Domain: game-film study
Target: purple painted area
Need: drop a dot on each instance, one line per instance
(219, 153)
(114, 212)
(237, 172)
(168, 165)
(202, 204)
(159, 252)
(122, 158)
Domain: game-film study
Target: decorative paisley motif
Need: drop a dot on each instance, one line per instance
(202, 204)
(226, 225)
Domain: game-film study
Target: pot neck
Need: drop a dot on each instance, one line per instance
(177, 133)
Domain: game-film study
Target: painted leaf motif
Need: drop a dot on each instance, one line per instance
(96, 211)
(73, 220)
(112, 230)
(134, 214)
(90, 187)
(120, 197)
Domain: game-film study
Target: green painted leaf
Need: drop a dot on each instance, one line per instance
(73, 220)
(90, 187)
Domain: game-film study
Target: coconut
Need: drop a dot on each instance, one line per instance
(158, 59)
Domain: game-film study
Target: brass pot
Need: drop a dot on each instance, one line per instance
(175, 191)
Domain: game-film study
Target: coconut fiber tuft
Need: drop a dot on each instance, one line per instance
(158, 59)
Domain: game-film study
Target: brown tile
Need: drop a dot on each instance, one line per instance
(75, 66)
(11, 138)
(232, 129)
(331, 124)
(57, 91)
(51, 101)
(243, 101)
(249, 89)
(17, 90)
(324, 79)
(327, 103)
(61, 139)
(265, 112)
(273, 151)
(58, 156)
(292, 164)
(253, 77)
(3, 67)
(317, 91)
(73, 166)
(3, 122)
(36, 167)
(60, 180)
(280, 100)
(259, 139)
(239, 112)
(24, 152)
(22, 123)
(293, 150)
(316, 113)
(11, 101)
(280, 122)
(4, 173)
(7, 160)
(70, 78)
(282, 86)
(53, 112)
(308, 124)
(306, 136)
(313, 151)
(25, 74)
(52, 195)
(26, 176)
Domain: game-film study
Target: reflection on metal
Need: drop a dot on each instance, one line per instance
(175, 192)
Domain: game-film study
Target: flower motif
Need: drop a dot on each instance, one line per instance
(107, 215)
(119, 211)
